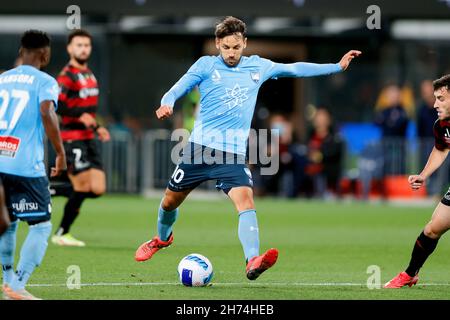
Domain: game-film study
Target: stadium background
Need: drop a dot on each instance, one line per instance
(142, 47)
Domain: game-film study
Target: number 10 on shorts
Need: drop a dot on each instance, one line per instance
(177, 175)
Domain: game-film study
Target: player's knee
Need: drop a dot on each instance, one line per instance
(98, 183)
(432, 232)
(245, 204)
(169, 204)
(98, 190)
(172, 199)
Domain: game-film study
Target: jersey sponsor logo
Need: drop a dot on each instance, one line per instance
(255, 76)
(235, 97)
(88, 92)
(23, 206)
(9, 146)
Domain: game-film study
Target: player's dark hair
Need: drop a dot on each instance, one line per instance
(78, 33)
(34, 39)
(229, 26)
(443, 81)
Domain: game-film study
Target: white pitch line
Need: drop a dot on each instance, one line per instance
(260, 284)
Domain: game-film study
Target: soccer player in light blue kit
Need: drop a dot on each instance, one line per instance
(229, 85)
(4, 217)
(28, 98)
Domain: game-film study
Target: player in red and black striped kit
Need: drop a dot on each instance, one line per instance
(77, 106)
(440, 220)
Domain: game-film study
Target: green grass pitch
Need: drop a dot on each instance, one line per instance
(325, 250)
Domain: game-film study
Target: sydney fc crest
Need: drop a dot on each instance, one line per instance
(255, 76)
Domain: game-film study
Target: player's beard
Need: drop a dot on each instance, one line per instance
(231, 62)
(81, 61)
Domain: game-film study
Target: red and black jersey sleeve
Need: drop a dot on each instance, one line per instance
(441, 130)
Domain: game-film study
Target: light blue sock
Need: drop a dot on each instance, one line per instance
(32, 253)
(249, 233)
(166, 219)
(7, 250)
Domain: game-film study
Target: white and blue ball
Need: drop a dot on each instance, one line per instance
(195, 270)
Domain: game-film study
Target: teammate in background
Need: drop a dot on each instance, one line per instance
(4, 217)
(440, 220)
(78, 104)
(228, 84)
(28, 98)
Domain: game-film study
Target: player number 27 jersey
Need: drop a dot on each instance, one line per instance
(22, 90)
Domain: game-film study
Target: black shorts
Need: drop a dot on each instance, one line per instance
(192, 170)
(82, 155)
(27, 199)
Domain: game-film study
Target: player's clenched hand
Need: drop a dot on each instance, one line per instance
(88, 120)
(348, 57)
(416, 181)
(60, 165)
(103, 134)
(164, 112)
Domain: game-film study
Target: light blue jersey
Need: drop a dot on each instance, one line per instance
(22, 90)
(228, 96)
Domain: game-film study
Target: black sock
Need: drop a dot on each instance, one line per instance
(71, 211)
(423, 247)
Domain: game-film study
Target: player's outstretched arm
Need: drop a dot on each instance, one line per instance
(435, 160)
(51, 126)
(308, 69)
(348, 57)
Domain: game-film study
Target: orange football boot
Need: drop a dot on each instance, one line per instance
(259, 264)
(401, 280)
(149, 248)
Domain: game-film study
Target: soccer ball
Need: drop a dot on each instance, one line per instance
(195, 270)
